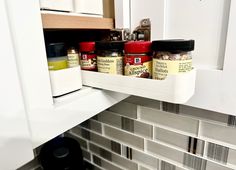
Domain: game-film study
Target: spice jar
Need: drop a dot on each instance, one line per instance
(171, 57)
(72, 57)
(56, 56)
(88, 58)
(110, 56)
(138, 61)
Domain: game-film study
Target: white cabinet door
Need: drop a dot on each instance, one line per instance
(47, 117)
(15, 143)
(212, 23)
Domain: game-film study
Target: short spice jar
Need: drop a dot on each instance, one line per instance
(56, 56)
(88, 57)
(171, 57)
(138, 59)
(110, 56)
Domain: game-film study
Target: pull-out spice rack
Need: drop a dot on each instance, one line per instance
(175, 88)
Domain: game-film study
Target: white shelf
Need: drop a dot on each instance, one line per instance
(69, 111)
(174, 89)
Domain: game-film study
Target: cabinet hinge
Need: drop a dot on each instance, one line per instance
(141, 32)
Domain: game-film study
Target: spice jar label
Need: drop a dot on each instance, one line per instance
(73, 60)
(161, 68)
(138, 66)
(88, 62)
(111, 65)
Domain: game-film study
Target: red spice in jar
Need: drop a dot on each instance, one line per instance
(88, 58)
(138, 60)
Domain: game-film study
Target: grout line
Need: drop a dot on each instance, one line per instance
(159, 165)
(138, 112)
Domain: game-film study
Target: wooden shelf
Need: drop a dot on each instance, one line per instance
(63, 20)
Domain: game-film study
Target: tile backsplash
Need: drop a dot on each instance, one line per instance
(144, 134)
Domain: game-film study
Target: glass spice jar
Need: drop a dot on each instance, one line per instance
(138, 59)
(88, 57)
(110, 56)
(72, 57)
(171, 57)
(56, 56)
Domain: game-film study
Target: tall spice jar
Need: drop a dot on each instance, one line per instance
(171, 57)
(72, 57)
(110, 56)
(88, 57)
(138, 59)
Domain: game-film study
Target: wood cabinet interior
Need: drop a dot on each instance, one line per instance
(73, 37)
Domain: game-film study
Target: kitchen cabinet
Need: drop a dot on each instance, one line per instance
(15, 142)
(212, 24)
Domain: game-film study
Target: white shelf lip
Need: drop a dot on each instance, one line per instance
(174, 89)
(70, 111)
(69, 13)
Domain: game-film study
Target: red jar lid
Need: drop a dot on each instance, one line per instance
(138, 47)
(87, 46)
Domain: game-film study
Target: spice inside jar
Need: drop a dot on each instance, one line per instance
(110, 56)
(171, 57)
(88, 58)
(137, 60)
(73, 57)
(56, 56)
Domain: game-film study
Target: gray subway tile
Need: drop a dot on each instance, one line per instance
(167, 166)
(109, 118)
(124, 137)
(232, 157)
(203, 114)
(104, 164)
(90, 166)
(217, 132)
(217, 152)
(145, 159)
(213, 166)
(170, 107)
(164, 151)
(92, 125)
(99, 139)
(81, 141)
(194, 162)
(140, 157)
(184, 142)
(170, 120)
(125, 109)
(113, 157)
(143, 168)
(86, 154)
(143, 102)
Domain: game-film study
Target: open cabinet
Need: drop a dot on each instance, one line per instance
(213, 59)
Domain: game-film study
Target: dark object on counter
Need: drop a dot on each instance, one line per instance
(62, 153)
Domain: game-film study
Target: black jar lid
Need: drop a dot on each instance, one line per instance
(56, 50)
(110, 45)
(173, 45)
